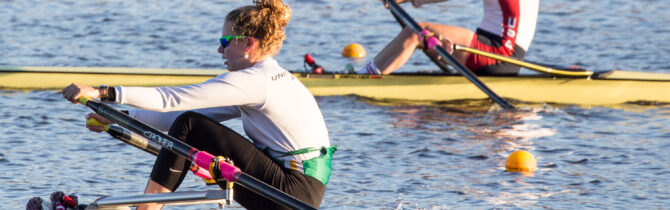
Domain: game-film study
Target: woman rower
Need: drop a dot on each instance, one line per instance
(507, 29)
(290, 148)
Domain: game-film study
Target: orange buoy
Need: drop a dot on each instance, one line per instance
(353, 50)
(520, 161)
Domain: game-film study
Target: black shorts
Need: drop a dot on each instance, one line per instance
(205, 134)
(480, 65)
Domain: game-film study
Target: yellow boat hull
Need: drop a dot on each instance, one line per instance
(528, 89)
(48, 78)
(612, 89)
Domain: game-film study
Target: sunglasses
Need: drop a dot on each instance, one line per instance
(226, 39)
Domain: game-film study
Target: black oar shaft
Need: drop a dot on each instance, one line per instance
(409, 22)
(186, 151)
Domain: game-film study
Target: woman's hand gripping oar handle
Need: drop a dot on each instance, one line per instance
(143, 144)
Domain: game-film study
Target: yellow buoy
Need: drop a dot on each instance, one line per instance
(353, 50)
(520, 161)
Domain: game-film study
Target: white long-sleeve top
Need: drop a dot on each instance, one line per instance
(277, 110)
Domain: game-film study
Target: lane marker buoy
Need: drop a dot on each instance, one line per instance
(520, 161)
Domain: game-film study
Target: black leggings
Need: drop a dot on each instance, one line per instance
(208, 135)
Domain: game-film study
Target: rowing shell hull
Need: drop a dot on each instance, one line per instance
(531, 89)
(53, 78)
(612, 89)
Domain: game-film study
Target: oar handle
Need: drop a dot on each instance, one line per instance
(83, 100)
(432, 41)
(95, 122)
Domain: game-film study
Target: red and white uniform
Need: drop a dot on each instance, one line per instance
(507, 29)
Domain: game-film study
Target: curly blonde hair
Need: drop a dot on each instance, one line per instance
(265, 20)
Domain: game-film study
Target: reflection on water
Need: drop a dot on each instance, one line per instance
(502, 132)
(516, 125)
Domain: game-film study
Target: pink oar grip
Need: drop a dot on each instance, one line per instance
(228, 172)
(432, 41)
(424, 33)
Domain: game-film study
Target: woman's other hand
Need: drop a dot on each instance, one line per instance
(98, 126)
